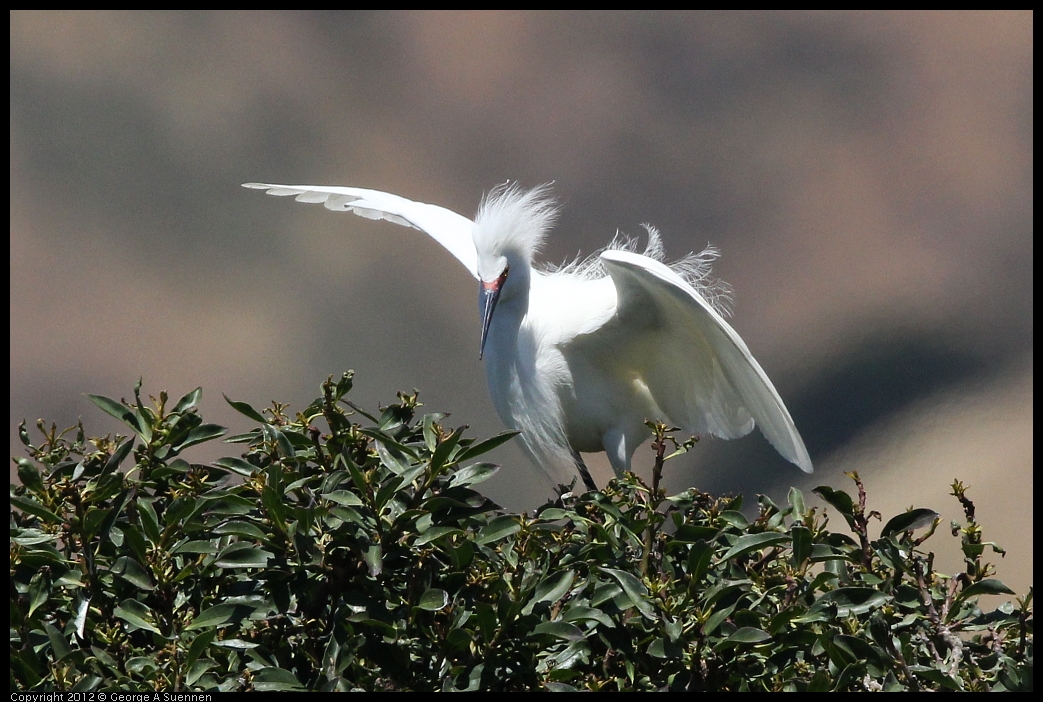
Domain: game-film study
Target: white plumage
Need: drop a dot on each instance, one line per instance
(580, 357)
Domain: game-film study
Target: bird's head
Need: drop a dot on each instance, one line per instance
(508, 230)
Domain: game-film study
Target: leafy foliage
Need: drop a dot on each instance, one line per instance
(364, 558)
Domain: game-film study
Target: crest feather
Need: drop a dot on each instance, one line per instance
(513, 219)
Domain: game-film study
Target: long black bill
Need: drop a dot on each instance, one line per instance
(489, 293)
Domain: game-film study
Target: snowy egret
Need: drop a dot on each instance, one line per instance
(580, 357)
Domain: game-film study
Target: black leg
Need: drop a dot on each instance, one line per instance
(588, 482)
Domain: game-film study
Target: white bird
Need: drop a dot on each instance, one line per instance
(580, 357)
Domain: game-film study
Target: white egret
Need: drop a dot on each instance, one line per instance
(578, 358)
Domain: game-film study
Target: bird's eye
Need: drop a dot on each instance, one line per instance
(503, 276)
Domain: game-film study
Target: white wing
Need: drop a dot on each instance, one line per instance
(696, 367)
(449, 229)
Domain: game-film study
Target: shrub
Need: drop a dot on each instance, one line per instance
(364, 558)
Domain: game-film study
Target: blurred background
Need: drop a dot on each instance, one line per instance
(868, 178)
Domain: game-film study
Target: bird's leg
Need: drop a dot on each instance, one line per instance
(588, 482)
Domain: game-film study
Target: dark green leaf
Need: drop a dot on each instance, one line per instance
(435, 533)
(31, 506)
(201, 434)
(474, 474)
(343, 497)
(433, 599)
(498, 528)
(747, 635)
(851, 601)
(135, 613)
(553, 589)
(633, 588)
(133, 572)
(199, 645)
(221, 615)
(560, 629)
(39, 591)
(245, 409)
(989, 586)
(242, 555)
(796, 500)
(188, 401)
(59, 644)
(117, 410)
(236, 465)
(908, 521)
(754, 542)
(375, 560)
(838, 498)
(275, 679)
(480, 447)
(240, 528)
(29, 475)
(802, 546)
(118, 456)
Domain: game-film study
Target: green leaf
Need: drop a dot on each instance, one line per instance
(433, 599)
(397, 464)
(553, 589)
(851, 601)
(118, 456)
(59, 644)
(31, 506)
(274, 679)
(561, 630)
(499, 528)
(29, 475)
(435, 533)
(839, 499)
(474, 474)
(117, 410)
(430, 433)
(227, 504)
(243, 555)
(149, 521)
(908, 521)
(221, 615)
(754, 542)
(579, 613)
(480, 447)
(802, 546)
(245, 409)
(633, 588)
(133, 572)
(236, 465)
(745, 635)
(197, 546)
(201, 434)
(661, 648)
(698, 562)
(989, 586)
(736, 518)
(39, 591)
(240, 528)
(136, 614)
(796, 500)
(375, 560)
(343, 497)
(199, 645)
(80, 620)
(189, 401)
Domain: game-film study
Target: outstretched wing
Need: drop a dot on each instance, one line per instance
(701, 373)
(449, 229)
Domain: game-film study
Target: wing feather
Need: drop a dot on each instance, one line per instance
(451, 230)
(696, 367)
